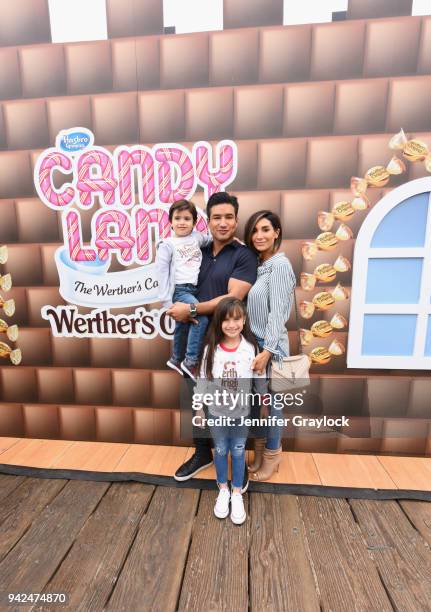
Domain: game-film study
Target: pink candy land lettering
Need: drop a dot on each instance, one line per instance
(120, 240)
(52, 197)
(175, 159)
(215, 177)
(142, 159)
(143, 219)
(88, 184)
(73, 235)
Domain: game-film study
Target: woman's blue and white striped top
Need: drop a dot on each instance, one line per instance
(269, 302)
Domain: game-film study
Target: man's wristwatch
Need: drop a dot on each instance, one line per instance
(193, 310)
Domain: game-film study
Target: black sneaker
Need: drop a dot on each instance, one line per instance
(245, 480)
(193, 466)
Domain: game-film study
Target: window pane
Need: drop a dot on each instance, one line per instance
(388, 334)
(404, 225)
(394, 281)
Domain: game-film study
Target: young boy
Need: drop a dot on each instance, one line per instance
(178, 261)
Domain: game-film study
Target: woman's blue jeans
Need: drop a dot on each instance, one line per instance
(273, 432)
(231, 439)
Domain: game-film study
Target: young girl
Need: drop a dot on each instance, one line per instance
(229, 352)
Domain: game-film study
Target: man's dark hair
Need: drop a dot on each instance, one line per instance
(222, 197)
(183, 205)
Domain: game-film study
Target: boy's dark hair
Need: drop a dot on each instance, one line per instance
(183, 205)
(222, 197)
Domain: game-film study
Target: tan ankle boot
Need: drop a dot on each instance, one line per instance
(270, 464)
(259, 445)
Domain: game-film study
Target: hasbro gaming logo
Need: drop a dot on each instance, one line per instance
(74, 140)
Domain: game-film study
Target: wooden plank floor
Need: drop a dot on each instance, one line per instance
(131, 546)
(297, 468)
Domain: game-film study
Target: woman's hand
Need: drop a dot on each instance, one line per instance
(260, 362)
(201, 414)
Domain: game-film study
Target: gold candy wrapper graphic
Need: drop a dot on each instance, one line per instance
(309, 250)
(323, 300)
(340, 293)
(336, 348)
(308, 281)
(377, 176)
(327, 241)
(361, 202)
(415, 150)
(8, 306)
(325, 273)
(321, 329)
(398, 141)
(325, 220)
(342, 264)
(358, 186)
(4, 254)
(13, 354)
(344, 232)
(306, 309)
(428, 163)
(11, 330)
(6, 282)
(320, 355)
(396, 166)
(306, 336)
(343, 211)
(338, 321)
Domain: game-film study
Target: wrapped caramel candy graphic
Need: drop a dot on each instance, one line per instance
(338, 321)
(13, 354)
(325, 273)
(11, 330)
(336, 348)
(343, 211)
(344, 232)
(342, 264)
(361, 202)
(358, 186)
(323, 300)
(325, 220)
(308, 281)
(398, 141)
(415, 150)
(6, 282)
(309, 250)
(320, 355)
(306, 309)
(428, 163)
(8, 306)
(326, 241)
(321, 329)
(3, 254)
(377, 176)
(396, 166)
(340, 293)
(306, 336)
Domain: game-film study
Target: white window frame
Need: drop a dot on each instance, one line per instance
(358, 308)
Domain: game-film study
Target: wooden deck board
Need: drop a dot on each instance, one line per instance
(33, 560)
(409, 472)
(216, 576)
(19, 510)
(35, 453)
(342, 566)
(6, 443)
(91, 456)
(8, 484)
(419, 513)
(399, 551)
(158, 554)
(100, 549)
(281, 577)
(361, 471)
(163, 460)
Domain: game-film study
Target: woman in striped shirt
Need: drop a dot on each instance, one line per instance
(268, 304)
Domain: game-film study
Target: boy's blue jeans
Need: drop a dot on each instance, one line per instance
(231, 439)
(188, 337)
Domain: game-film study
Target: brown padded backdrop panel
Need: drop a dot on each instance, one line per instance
(134, 17)
(43, 71)
(184, 61)
(23, 22)
(245, 13)
(285, 54)
(367, 9)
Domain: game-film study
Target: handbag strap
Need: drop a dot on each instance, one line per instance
(301, 350)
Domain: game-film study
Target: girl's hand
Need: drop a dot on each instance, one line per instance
(260, 362)
(264, 412)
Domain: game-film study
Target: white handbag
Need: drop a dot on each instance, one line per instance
(290, 373)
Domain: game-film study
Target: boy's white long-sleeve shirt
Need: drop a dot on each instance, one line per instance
(232, 373)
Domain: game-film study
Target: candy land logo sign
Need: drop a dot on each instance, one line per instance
(130, 191)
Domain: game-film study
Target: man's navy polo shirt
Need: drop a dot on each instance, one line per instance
(235, 260)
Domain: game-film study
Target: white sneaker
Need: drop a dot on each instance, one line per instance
(237, 513)
(221, 508)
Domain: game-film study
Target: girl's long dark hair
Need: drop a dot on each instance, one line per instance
(228, 307)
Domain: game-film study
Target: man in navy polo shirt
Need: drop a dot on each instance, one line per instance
(228, 269)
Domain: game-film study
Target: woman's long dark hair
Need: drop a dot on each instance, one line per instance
(228, 307)
(250, 227)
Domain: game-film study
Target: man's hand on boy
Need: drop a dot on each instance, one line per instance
(181, 312)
